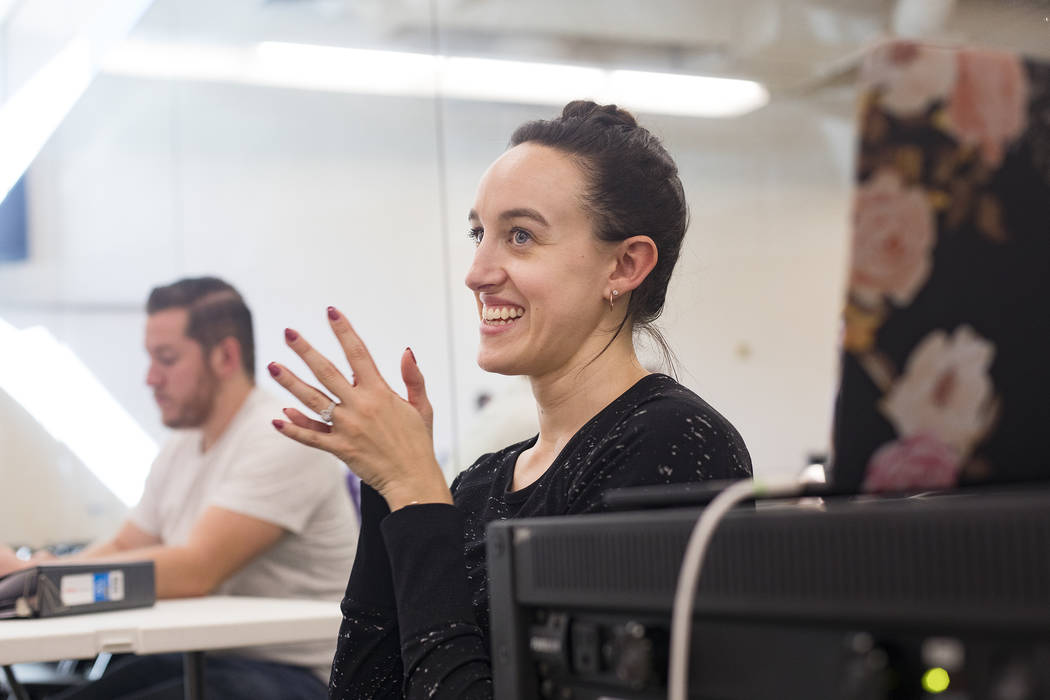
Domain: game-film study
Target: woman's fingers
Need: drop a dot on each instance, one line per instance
(361, 364)
(312, 398)
(308, 437)
(326, 372)
(416, 388)
(303, 422)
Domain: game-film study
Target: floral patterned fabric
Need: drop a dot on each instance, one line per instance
(946, 329)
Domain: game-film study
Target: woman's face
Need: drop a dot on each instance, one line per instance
(540, 276)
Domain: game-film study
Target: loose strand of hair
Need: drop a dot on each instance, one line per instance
(670, 358)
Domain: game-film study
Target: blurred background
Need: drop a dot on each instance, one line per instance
(317, 152)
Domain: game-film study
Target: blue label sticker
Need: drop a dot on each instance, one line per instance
(101, 587)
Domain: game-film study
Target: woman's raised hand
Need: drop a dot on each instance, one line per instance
(384, 439)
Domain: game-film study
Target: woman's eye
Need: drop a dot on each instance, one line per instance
(521, 236)
(476, 234)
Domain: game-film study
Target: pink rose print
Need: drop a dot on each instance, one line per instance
(987, 107)
(913, 463)
(910, 77)
(945, 391)
(893, 234)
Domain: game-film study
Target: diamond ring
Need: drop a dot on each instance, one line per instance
(326, 415)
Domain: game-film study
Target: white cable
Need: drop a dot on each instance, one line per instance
(689, 574)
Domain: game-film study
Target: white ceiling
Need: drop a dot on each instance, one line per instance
(787, 44)
(796, 48)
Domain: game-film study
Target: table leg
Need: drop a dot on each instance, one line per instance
(16, 687)
(193, 675)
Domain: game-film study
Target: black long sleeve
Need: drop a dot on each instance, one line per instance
(444, 650)
(422, 594)
(428, 594)
(367, 661)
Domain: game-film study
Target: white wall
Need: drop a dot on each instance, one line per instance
(307, 199)
(47, 496)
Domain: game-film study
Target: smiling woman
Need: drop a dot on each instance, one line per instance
(578, 227)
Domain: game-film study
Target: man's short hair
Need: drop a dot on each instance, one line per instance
(216, 311)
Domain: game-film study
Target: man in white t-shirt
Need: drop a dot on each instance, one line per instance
(230, 506)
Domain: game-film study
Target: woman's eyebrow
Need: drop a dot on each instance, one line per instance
(524, 213)
(518, 213)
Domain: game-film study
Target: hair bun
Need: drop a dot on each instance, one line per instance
(606, 115)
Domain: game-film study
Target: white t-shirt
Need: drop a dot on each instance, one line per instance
(254, 470)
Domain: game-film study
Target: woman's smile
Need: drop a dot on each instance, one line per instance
(495, 319)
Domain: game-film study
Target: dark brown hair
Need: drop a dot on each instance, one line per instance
(216, 311)
(634, 189)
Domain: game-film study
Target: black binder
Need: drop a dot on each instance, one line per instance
(53, 590)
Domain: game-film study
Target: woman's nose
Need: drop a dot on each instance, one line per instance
(486, 270)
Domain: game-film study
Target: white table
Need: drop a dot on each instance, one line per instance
(191, 625)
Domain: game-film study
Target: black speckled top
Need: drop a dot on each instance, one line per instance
(415, 615)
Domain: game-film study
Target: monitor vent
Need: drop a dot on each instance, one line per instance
(907, 559)
(601, 561)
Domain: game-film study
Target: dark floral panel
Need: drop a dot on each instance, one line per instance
(946, 328)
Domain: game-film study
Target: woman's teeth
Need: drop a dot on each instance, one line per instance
(501, 315)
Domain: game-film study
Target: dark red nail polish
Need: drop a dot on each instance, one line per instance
(278, 423)
(412, 355)
(333, 314)
(290, 335)
(274, 369)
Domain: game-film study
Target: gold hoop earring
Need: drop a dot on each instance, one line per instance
(612, 295)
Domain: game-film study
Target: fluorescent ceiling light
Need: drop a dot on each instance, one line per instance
(495, 80)
(73, 406)
(32, 114)
(686, 95)
(366, 71)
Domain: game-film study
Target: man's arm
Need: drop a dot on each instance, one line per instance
(130, 536)
(220, 543)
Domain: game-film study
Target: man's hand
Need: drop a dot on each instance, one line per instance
(10, 562)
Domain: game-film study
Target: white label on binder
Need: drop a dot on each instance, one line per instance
(116, 585)
(85, 589)
(78, 589)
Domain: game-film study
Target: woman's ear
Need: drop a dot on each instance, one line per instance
(636, 258)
